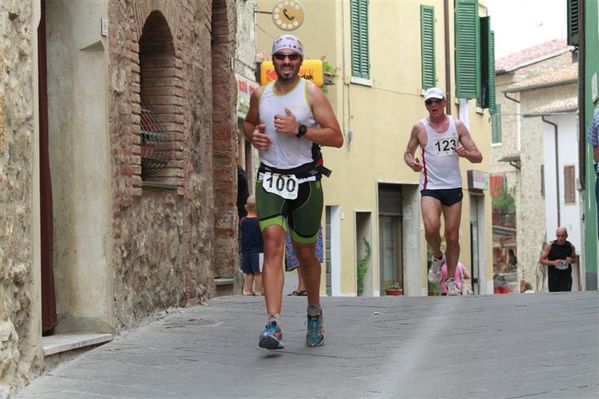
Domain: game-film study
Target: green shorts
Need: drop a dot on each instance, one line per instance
(302, 214)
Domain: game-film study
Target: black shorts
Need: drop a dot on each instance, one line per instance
(250, 262)
(302, 214)
(447, 197)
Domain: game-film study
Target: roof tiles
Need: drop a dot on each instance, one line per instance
(531, 55)
(561, 76)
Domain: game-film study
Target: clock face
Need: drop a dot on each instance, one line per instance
(288, 14)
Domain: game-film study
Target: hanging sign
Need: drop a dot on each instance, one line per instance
(288, 15)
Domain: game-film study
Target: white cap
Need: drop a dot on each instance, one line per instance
(434, 92)
(288, 41)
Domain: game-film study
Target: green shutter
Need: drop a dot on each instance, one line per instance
(492, 86)
(496, 125)
(486, 98)
(573, 22)
(427, 46)
(359, 39)
(467, 47)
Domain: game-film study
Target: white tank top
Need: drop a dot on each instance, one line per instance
(286, 151)
(440, 162)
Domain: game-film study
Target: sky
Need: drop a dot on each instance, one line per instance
(519, 24)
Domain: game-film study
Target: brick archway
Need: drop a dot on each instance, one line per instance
(160, 96)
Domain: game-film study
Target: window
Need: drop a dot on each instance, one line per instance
(486, 98)
(360, 63)
(496, 125)
(467, 48)
(160, 103)
(569, 184)
(427, 46)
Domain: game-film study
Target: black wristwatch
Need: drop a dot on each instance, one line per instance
(301, 130)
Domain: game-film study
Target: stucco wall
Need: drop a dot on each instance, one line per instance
(19, 353)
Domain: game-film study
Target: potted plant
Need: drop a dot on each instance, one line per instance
(362, 268)
(393, 289)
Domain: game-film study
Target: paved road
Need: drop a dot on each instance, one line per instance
(505, 346)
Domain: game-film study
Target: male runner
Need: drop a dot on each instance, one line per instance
(284, 119)
(443, 141)
(558, 256)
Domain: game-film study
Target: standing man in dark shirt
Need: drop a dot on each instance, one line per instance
(558, 256)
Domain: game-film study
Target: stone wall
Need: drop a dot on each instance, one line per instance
(19, 356)
(165, 237)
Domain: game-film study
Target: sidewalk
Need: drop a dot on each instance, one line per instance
(504, 346)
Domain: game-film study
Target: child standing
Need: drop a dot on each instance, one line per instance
(252, 249)
(454, 286)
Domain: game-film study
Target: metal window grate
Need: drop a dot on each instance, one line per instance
(156, 145)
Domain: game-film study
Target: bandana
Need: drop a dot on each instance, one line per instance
(288, 42)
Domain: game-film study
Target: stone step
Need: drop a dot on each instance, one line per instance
(59, 348)
(224, 286)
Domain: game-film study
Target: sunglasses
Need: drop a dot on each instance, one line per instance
(433, 101)
(292, 57)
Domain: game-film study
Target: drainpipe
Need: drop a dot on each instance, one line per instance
(447, 57)
(556, 169)
(511, 98)
(582, 159)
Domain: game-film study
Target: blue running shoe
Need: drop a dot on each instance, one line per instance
(315, 334)
(271, 337)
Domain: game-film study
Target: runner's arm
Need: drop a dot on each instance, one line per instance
(572, 257)
(253, 129)
(329, 133)
(543, 259)
(408, 156)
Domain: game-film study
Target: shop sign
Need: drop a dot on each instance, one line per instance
(310, 70)
(478, 181)
(245, 88)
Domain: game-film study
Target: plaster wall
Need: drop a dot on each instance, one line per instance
(80, 158)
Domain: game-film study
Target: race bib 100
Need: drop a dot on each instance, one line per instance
(285, 186)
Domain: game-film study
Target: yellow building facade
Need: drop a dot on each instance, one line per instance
(386, 53)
